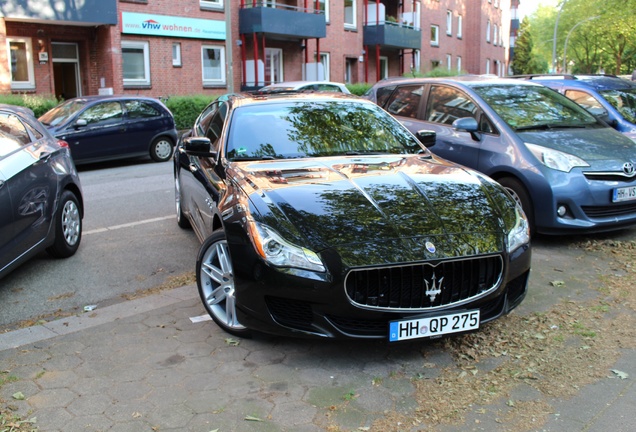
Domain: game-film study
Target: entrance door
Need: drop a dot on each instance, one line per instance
(66, 70)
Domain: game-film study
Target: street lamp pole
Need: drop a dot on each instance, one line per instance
(567, 38)
(554, 40)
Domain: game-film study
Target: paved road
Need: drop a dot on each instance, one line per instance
(130, 242)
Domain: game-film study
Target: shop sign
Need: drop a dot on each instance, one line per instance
(171, 26)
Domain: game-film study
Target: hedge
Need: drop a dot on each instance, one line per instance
(39, 104)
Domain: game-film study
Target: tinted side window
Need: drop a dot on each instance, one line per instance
(103, 114)
(405, 101)
(139, 109)
(204, 119)
(382, 94)
(587, 101)
(13, 134)
(447, 104)
(216, 125)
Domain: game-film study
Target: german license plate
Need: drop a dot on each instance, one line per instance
(624, 194)
(433, 326)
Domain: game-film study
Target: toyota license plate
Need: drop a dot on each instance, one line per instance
(433, 326)
(624, 194)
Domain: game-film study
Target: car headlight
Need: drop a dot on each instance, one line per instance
(556, 159)
(279, 252)
(519, 235)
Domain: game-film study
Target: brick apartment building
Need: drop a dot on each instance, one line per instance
(171, 47)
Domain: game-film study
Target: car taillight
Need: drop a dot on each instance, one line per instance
(62, 143)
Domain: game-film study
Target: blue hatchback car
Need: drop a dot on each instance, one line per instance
(100, 128)
(570, 172)
(608, 97)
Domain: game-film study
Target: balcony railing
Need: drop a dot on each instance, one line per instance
(392, 35)
(94, 12)
(282, 21)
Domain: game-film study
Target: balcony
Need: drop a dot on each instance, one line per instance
(282, 22)
(87, 12)
(392, 36)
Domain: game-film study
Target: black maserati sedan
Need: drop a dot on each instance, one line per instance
(322, 216)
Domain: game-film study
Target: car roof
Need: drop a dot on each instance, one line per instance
(296, 84)
(18, 109)
(243, 99)
(466, 80)
(598, 82)
(95, 98)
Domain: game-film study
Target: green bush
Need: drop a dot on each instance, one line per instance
(38, 103)
(359, 88)
(186, 109)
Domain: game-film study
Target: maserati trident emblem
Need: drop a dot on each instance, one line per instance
(628, 168)
(435, 289)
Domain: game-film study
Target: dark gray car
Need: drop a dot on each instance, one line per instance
(41, 205)
(568, 170)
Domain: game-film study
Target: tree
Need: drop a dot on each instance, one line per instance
(525, 61)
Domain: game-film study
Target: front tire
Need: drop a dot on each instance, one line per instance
(68, 227)
(182, 220)
(519, 193)
(215, 281)
(161, 149)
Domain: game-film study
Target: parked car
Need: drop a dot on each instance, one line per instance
(100, 128)
(305, 86)
(40, 192)
(607, 97)
(570, 172)
(320, 215)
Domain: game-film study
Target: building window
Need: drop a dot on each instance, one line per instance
(323, 6)
(21, 63)
(136, 63)
(449, 23)
(495, 35)
(176, 54)
(350, 14)
(488, 32)
(273, 65)
(384, 67)
(487, 66)
(211, 4)
(460, 22)
(213, 64)
(324, 60)
(449, 61)
(434, 35)
(459, 65)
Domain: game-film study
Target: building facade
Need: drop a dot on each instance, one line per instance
(166, 47)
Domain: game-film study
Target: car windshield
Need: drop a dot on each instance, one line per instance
(533, 107)
(624, 100)
(312, 129)
(61, 113)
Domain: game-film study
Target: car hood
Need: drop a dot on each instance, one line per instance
(378, 209)
(595, 144)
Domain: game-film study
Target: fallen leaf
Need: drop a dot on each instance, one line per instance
(557, 283)
(232, 342)
(18, 396)
(250, 418)
(620, 374)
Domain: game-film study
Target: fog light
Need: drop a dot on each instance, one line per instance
(562, 210)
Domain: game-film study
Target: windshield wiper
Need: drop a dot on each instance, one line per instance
(546, 126)
(252, 158)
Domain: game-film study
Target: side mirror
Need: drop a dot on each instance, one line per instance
(605, 118)
(80, 123)
(426, 137)
(467, 124)
(198, 146)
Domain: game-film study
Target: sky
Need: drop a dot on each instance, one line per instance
(527, 7)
